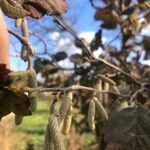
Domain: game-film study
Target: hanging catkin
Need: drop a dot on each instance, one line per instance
(56, 133)
(100, 109)
(99, 87)
(48, 143)
(105, 96)
(24, 28)
(65, 105)
(91, 115)
(18, 119)
(18, 22)
(55, 105)
(33, 101)
(108, 80)
(67, 121)
(25, 34)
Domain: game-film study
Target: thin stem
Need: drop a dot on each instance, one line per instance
(78, 87)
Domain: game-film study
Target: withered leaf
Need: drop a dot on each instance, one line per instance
(41, 7)
(130, 129)
(12, 102)
(34, 8)
(59, 56)
(109, 26)
(97, 40)
(109, 16)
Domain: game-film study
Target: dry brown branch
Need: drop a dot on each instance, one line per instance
(62, 23)
(79, 87)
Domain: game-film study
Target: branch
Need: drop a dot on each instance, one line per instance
(79, 87)
(25, 42)
(92, 58)
(19, 37)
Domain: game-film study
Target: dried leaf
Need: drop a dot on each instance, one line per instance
(97, 40)
(13, 11)
(40, 8)
(59, 56)
(130, 128)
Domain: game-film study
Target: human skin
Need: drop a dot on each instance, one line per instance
(4, 42)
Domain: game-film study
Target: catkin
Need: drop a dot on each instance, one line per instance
(55, 105)
(24, 28)
(67, 121)
(91, 115)
(33, 101)
(18, 22)
(18, 119)
(24, 53)
(105, 97)
(100, 109)
(56, 133)
(25, 33)
(48, 143)
(108, 80)
(65, 105)
(99, 87)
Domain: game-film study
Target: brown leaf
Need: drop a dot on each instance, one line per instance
(39, 8)
(108, 15)
(109, 26)
(60, 56)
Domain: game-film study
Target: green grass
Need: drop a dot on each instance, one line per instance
(34, 126)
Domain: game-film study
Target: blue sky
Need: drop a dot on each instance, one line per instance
(81, 15)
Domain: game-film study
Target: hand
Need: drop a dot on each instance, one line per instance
(4, 42)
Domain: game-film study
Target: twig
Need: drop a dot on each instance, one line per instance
(19, 37)
(41, 39)
(62, 22)
(79, 87)
(136, 93)
(24, 41)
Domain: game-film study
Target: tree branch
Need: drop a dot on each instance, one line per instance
(79, 87)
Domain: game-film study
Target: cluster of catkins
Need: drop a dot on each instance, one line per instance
(26, 50)
(96, 106)
(59, 121)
